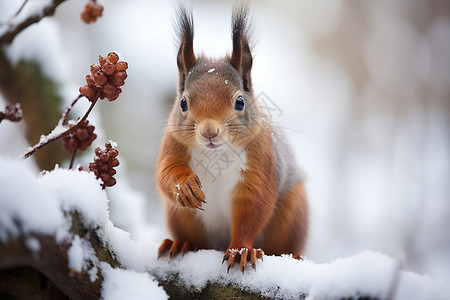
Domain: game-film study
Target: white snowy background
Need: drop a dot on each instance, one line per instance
(363, 90)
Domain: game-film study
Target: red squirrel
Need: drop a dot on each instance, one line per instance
(227, 177)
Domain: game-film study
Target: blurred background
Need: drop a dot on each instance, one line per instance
(362, 89)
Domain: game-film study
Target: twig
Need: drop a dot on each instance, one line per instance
(68, 109)
(14, 28)
(21, 8)
(66, 132)
(72, 159)
(16, 14)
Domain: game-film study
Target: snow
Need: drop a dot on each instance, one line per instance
(368, 274)
(39, 208)
(80, 255)
(22, 209)
(75, 255)
(113, 144)
(78, 191)
(33, 244)
(128, 284)
(415, 287)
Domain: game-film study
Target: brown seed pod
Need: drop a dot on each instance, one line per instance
(12, 113)
(121, 66)
(100, 79)
(92, 11)
(113, 57)
(95, 68)
(88, 92)
(90, 81)
(80, 139)
(106, 78)
(104, 164)
(108, 68)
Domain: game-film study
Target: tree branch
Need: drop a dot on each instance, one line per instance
(52, 260)
(14, 26)
(51, 138)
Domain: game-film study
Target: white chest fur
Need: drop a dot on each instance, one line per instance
(219, 171)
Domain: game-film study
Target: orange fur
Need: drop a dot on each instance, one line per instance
(291, 218)
(268, 209)
(255, 196)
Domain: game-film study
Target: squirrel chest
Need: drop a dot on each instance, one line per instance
(219, 172)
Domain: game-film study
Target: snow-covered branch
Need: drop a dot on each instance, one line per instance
(60, 226)
(24, 18)
(52, 261)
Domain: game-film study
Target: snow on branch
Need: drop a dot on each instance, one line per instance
(59, 225)
(19, 21)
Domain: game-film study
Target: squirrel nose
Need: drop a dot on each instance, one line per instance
(210, 134)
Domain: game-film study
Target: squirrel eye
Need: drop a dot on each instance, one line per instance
(239, 104)
(183, 104)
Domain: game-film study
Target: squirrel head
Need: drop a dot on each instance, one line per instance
(215, 104)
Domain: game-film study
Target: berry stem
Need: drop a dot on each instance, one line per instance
(21, 8)
(72, 159)
(68, 109)
(69, 130)
(2, 116)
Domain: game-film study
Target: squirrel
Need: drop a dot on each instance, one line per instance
(227, 177)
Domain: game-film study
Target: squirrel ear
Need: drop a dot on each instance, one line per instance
(241, 58)
(186, 57)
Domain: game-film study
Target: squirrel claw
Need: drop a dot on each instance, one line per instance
(165, 246)
(230, 264)
(188, 192)
(244, 256)
(173, 248)
(298, 256)
(254, 265)
(185, 248)
(243, 265)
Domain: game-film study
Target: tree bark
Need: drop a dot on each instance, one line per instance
(52, 262)
(46, 275)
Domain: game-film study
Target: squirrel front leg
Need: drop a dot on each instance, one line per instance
(175, 178)
(253, 204)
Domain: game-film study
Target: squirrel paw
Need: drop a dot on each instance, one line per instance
(298, 256)
(174, 248)
(188, 193)
(245, 254)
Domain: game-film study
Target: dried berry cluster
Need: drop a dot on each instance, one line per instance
(105, 79)
(81, 138)
(104, 164)
(12, 113)
(92, 11)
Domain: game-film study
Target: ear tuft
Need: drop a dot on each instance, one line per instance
(185, 31)
(241, 57)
